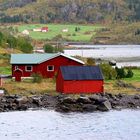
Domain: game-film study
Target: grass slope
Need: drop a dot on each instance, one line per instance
(110, 85)
(123, 33)
(85, 33)
(135, 78)
(5, 70)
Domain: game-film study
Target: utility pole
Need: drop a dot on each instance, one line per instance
(82, 53)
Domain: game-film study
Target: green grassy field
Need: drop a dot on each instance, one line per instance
(111, 87)
(135, 78)
(84, 34)
(5, 70)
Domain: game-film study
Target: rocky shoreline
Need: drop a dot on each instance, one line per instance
(69, 103)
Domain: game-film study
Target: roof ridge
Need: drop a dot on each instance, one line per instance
(31, 59)
(81, 73)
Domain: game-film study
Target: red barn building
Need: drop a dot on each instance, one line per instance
(79, 79)
(44, 29)
(24, 65)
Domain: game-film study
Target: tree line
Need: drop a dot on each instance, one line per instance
(78, 11)
(115, 73)
(110, 72)
(9, 41)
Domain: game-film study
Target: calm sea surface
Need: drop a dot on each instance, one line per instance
(125, 55)
(50, 125)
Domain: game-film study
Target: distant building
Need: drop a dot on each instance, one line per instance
(65, 30)
(80, 79)
(1, 92)
(44, 29)
(37, 30)
(25, 32)
(38, 51)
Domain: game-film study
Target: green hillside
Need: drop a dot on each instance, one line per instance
(73, 34)
(120, 19)
(122, 33)
(77, 11)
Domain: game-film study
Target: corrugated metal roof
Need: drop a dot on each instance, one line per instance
(37, 58)
(81, 73)
(30, 58)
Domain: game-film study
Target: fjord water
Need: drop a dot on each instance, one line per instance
(125, 55)
(51, 125)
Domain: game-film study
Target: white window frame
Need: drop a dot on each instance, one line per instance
(50, 66)
(29, 66)
(16, 67)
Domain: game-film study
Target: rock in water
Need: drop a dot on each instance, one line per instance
(63, 108)
(89, 107)
(105, 106)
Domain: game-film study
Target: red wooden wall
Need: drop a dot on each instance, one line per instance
(59, 82)
(42, 67)
(83, 86)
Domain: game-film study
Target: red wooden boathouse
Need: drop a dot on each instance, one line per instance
(79, 79)
(24, 65)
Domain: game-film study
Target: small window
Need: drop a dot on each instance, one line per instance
(50, 68)
(28, 68)
(16, 67)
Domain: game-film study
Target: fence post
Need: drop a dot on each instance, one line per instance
(0, 81)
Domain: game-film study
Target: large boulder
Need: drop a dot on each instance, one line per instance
(14, 106)
(37, 101)
(98, 99)
(83, 100)
(105, 106)
(22, 107)
(101, 101)
(21, 100)
(63, 108)
(89, 107)
(95, 97)
(137, 97)
(1, 109)
(68, 100)
(119, 108)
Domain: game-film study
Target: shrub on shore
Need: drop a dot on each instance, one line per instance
(50, 49)
(121, 73)
(91, 61)
(108, 71)
(37, 78)
(129, 73)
